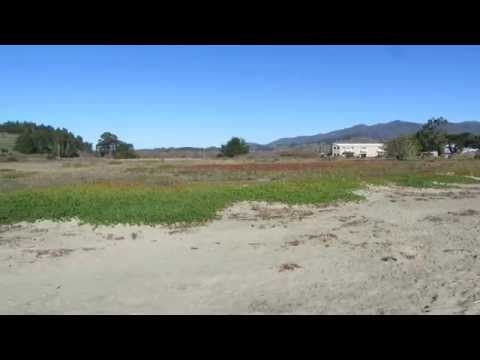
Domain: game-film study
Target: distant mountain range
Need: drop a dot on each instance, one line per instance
(377, 132)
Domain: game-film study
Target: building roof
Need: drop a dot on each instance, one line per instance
(362, 143)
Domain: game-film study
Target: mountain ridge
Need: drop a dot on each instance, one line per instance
(380, 132)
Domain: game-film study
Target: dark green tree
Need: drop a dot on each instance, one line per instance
(25, 144)
(433, 135)
(235, 146)
(109, 144)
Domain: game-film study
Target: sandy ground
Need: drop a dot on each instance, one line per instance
(401, 251)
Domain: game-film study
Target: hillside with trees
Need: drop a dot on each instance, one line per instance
(41, 139)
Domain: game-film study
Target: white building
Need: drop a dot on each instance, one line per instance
(360, 150)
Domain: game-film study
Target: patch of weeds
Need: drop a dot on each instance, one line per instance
(468, 212)
(389, 258)
(434, 219)
(14, 174)
(74, 165)
(289, 267)
(294, 243)
(51, 252)
(10, 158)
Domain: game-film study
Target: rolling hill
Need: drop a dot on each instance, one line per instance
(379, 132)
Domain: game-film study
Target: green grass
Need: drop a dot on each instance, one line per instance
(172, 197)
(103, 204)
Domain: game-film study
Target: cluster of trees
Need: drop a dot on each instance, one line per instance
(235, 146)
(110, 145)
(41, 139)
(432, 136)
(457, 142)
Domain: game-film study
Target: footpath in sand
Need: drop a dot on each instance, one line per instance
(400, 251)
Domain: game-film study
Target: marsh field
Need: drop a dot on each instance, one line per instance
(242, 236)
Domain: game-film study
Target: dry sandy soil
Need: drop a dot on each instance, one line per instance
(400, 251)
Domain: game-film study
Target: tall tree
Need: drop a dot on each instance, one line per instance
(110, 144)
(433, 135)
(107, 144)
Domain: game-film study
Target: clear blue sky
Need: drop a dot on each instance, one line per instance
(155, 96)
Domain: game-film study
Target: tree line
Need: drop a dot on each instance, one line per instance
(41, 139)
(432, 136)
(59, 142)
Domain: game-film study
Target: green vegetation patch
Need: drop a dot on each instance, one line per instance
(104, 204)
(429, 181)
(161, 199)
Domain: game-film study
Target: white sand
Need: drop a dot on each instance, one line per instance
(231, 266)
